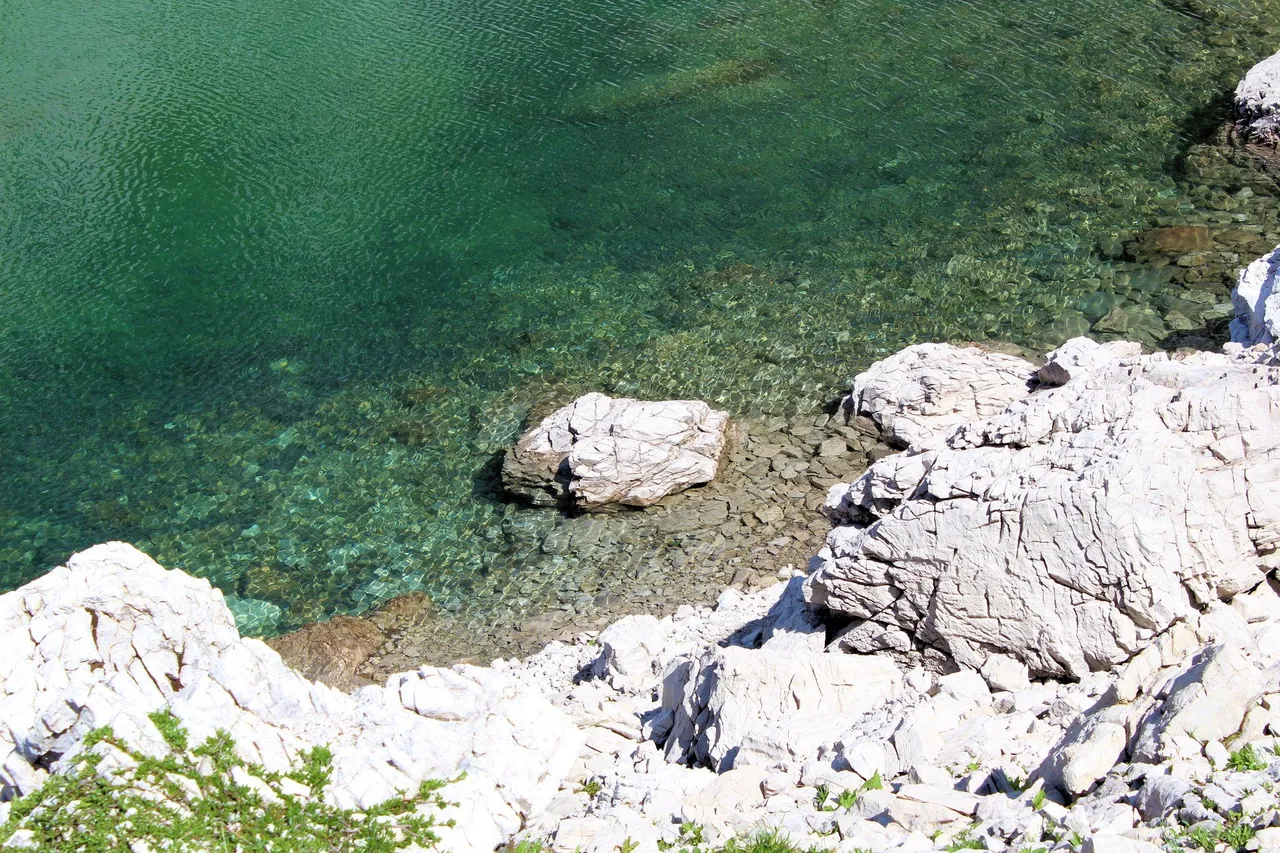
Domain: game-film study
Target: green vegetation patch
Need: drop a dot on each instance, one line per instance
(208, 799)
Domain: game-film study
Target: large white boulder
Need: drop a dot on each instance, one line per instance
(918, 394)
(736, 706)
(1076, 523)
(112, 637)
(1257, 102)
(599, 450)
(1256, 302)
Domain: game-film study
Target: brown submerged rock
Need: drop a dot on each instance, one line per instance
(1175, 240)
(331, 651)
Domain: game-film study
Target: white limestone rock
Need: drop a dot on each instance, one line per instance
(1206, 700)
(1257, 103)
(918, 394)
(737, 706)
(1087, 752)
(113, 636)
(632, 652)
(600, 450)
(1256, 302)
(1073, 525)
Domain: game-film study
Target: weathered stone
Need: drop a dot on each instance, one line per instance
(600, 450)
(1160, 795)
(1072, 527)
(918, 394)
(742, 707)
(1086, 752)
(113, 637)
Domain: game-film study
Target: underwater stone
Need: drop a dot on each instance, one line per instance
(600, 450)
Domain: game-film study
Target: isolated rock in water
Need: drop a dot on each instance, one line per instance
(599, 450)
(1256, 302)
(113, 636)
(918, 394)
(1258, 103)
(1070, 528)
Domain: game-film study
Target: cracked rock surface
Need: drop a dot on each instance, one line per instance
(112, 637)
(601, 450)
(1070, 526)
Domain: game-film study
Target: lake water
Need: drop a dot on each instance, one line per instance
(279, 280)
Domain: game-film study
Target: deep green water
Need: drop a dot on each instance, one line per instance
(279, 279)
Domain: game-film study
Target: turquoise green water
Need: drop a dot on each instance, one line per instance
(279, 279)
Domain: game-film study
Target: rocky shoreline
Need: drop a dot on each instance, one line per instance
(1111, 687)
(1050, 620)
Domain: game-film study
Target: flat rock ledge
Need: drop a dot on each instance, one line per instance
(1103, 499)
(1257, 103)
(600, 451)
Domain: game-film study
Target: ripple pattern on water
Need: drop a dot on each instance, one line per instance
(279, 280)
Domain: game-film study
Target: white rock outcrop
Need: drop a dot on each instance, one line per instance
(1072, 525)
(921, 392)
(1256, 302)
(112, 637)
(601, 450)
(1257, 103)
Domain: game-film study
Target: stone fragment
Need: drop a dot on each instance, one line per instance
(1160, 795)
(631, 652)
(1087, 751)
(919, 393)
(743, 707)
(1176, 240)
(1003, 672)
(331, 651)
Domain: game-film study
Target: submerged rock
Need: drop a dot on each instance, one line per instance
(1073, 526)
(599, 450)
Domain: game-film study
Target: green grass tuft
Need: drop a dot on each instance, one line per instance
(1246, 759)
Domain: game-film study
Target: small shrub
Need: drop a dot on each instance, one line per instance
(766, 841)
(1237, 833)
(527, 845)
(1245, 759)
(965, 841)
(820, 797)
(590, 787)
(847, 799)
(1202, 837)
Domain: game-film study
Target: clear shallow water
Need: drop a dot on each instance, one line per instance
(278, 280)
